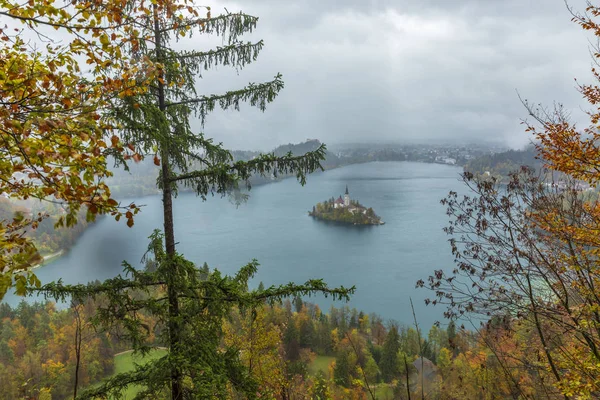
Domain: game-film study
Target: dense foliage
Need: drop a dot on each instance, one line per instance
(38, 352)
(56, 133)
(292, 350)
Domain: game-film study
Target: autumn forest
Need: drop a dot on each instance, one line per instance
(90, 87)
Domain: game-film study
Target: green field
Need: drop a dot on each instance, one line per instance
(321, 363)
(126, 362)
(384, 392)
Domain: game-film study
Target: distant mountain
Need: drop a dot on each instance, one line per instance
(297, 149)
(141, 179)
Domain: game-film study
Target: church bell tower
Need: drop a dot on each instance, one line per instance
(346, 197)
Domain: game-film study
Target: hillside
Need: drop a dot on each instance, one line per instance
(501, 164)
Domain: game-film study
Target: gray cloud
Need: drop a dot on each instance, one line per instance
(400, 70)
(403, 70)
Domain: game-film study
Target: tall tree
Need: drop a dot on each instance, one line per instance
(341, 370)
(389, 365)
(291, 341)
(189, 304)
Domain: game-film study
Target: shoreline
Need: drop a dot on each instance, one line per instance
(338, 222)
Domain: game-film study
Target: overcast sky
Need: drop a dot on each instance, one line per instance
(402, 70)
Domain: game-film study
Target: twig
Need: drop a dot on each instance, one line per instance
(420, 349)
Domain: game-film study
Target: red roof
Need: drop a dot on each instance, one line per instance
(339, 200)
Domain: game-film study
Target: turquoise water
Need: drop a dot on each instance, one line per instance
(383, 262)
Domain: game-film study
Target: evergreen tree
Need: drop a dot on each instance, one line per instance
(190, 306)
(343, 320)
(451, 333)
(291, 341)
(298, 303)
(204, 271)
(6, 354)
(322, 342)
(306, 333)
(389, 357)
(341, 372)
(354, 319)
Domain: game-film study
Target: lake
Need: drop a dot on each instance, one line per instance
(383, 262)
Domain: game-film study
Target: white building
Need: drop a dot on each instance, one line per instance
(342, 203)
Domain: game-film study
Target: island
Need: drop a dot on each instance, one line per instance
(346, 211)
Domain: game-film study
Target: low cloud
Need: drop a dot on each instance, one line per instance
(396, 71)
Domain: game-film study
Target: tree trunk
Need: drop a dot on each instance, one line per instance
(173, 324)
(77, 350)
(407, 378)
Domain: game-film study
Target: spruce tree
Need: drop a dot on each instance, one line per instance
(341, 372)
(188, 303)
(389, 356)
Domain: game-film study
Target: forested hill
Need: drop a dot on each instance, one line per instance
(501, 164)
(296, 149)
(140, 180)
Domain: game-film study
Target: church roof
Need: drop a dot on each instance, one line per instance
(339, 200)
(346, 189)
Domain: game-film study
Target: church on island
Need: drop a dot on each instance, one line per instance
(345, 210)
(345, 202)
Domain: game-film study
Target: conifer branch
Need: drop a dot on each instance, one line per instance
(230, 25)
(257, 95)
(238, 54)
(220, 177)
